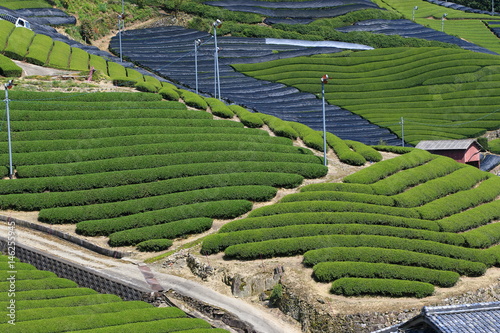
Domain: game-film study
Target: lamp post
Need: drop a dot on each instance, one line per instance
(121, 24)
(324, 80)
(413, 13)
(402, 132)
(8, 86)
(216, 25)
(197, 44)
(442, 21)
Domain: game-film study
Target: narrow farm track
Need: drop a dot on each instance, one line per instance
(129, 271)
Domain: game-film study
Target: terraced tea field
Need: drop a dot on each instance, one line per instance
(133, 167)
(439, 93)
(397, 228)
(47, 303)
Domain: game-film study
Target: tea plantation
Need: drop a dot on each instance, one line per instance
(47, 303)
(397, 228)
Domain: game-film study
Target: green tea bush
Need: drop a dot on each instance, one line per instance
(367, 152)
(135, 75)
(168, 231)
(344, 153)
(281, 220)
(485, 192)
(484, 236)
(428, 192)
(394, 149)
(68, 301)
(224, 209)
(471, 218)
(154, 245)
(247, 118)
(99, 64)
(279, 127)
(311, 138)
(381, 287)
(494, 146)
(193, 100)
(123, 208)
(169, 94)
(18, 43)
(115, 70)
(339, 196)
(6, 28)
(146, 87)
(332, 206)
(295, 246)
(39, 50)
(331, 271)
(386, 168)
(47, 294)
(394, 256)
(219, 108)
(30, 274)
(59, 56)
(48, 283)
(342, 187)
(96, 97)
(123, 81)
(402, 180)
(79, 60)
(154, 81)
(8, 68)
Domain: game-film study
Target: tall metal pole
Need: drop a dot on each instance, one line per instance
(324, 80)
(402, 132)
(413, 13)
(121, 24)
(442, 21)
(196, 44)
(216, 24)
(492, 7)
(7, 110)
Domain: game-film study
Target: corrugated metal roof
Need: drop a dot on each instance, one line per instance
(445, 144)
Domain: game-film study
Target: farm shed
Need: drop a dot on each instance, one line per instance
(463, 151)
(477, 318)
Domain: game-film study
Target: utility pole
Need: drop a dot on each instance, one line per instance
(121, 24)
(216, 25)
(324, 80)
(402, 132)
(8, 86)
(197, 44)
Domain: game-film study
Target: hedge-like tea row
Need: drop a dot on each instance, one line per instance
(66, 301)
(48, 283)
(282, 220)
(169, 94)
(332, 206)
(60, 55)
(295, 246)
(218, 242)
(8, 68)
(386, 168)
(154, 245)
(394, 149)
(311, 138)
(246, 117)
(74, 214)
(487, 191)
(484, 236)
(168, 230)
(331, 271)
(155, 161)
(428, 192)
(30, 274)
(6, 29)
(224, 209)
(394, 256)
(400, 181)
(59, 145)
(279, 127)
(192, 99)
(381, 287)
(342, 187)
(471, 218)
(47, 294)
(219, 108)
(86, 322)
(18, 43)
(339, 196)
(343, 152)
(367, 152)
(39, 50)
(38, 201)
(126, 177)
(67, 156)
(95, 97)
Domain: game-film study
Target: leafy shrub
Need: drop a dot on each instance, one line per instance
(60, 55)
(386, 168)
(6, 28)
(344, 153)
(135, 75)
(193, 100)
(218, 108)
(18, 43)
(393, 256)
(154, 81)
(168, 230)
(39, 50)
(248, 118)
(339, 196)
(115, 70)
(394, 149)
(47, 294)
(279, 127)
(123, 81)
(224, 209)
(311, 138)
(154, 245)
(381, 287)
(169, 94)
(367, 152)
(9, 68)
(99, 64)
(471, 218)
(79, 60)
(494, 146)
(342, 187)
(330, 271)
(146, 87)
